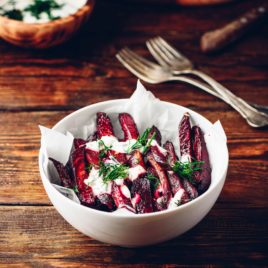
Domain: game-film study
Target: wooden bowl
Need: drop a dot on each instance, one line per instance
(44, 35)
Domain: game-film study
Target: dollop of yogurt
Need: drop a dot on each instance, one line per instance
(95, 181)
(176, 200)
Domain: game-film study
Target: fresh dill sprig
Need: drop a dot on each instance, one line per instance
(147, 146)
(142, 141)
(12, 13)
(154, 181)
(103, 151)
(111, 172)
(43, 6)
(187, 169)
(89, 167)
(75, 189)
(106, 148)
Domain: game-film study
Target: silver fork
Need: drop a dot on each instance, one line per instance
(178, 64)
(155, 74)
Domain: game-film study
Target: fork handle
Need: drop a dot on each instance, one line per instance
(208, 89)
(254, 117)
(237, 103)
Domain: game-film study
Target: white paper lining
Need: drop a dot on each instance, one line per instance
(146, 111)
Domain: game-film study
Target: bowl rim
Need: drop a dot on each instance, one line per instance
(133, 216)
(62, 20)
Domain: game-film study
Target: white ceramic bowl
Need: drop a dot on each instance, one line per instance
(146, 229)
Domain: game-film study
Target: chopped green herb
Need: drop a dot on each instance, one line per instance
(102, 154)
(142, 141)
(13, 14)
(112, 172)
(89, 167)
(187, 169)
(103, 151)
(75, 189)
(106, 148)
(147, 146)
(154, 181)
(43, 6)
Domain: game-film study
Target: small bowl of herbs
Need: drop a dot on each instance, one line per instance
(42, 23)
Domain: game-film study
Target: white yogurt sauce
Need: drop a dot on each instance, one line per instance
(111, 142)
(186, 158)
(176, 199)
(93, 145)
(135, 172)
(95, 181)
(69, 7)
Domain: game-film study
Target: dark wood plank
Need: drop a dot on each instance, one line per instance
(66, 93)
(224, 236)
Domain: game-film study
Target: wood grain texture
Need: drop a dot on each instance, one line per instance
(41, 87)
(50, 237)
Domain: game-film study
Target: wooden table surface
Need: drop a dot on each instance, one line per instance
(41, 87)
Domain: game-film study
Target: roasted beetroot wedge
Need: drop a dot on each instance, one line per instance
(185, 139)
(161, 174)
(171, 157)
(203, 177)
(121, 198)
(141, 192)
(65, 177)
(80, 171)
(152, 171)
(159, 156)
(79, 167)
(104, 125)
(92, 157)
(87, 197)
(77, 143)
(136, 159)
(120, 157)
(128, 126)
(190, 189)
(177, 186)
(157, 134)
(105, 202)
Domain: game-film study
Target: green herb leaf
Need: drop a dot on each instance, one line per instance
(187, 169)
(154, 181)
(89, 167)
(103, 151)
(13, 14)
(75, 189)
(111, 172)
(142, 141)
(43, 6)
(147, 146)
